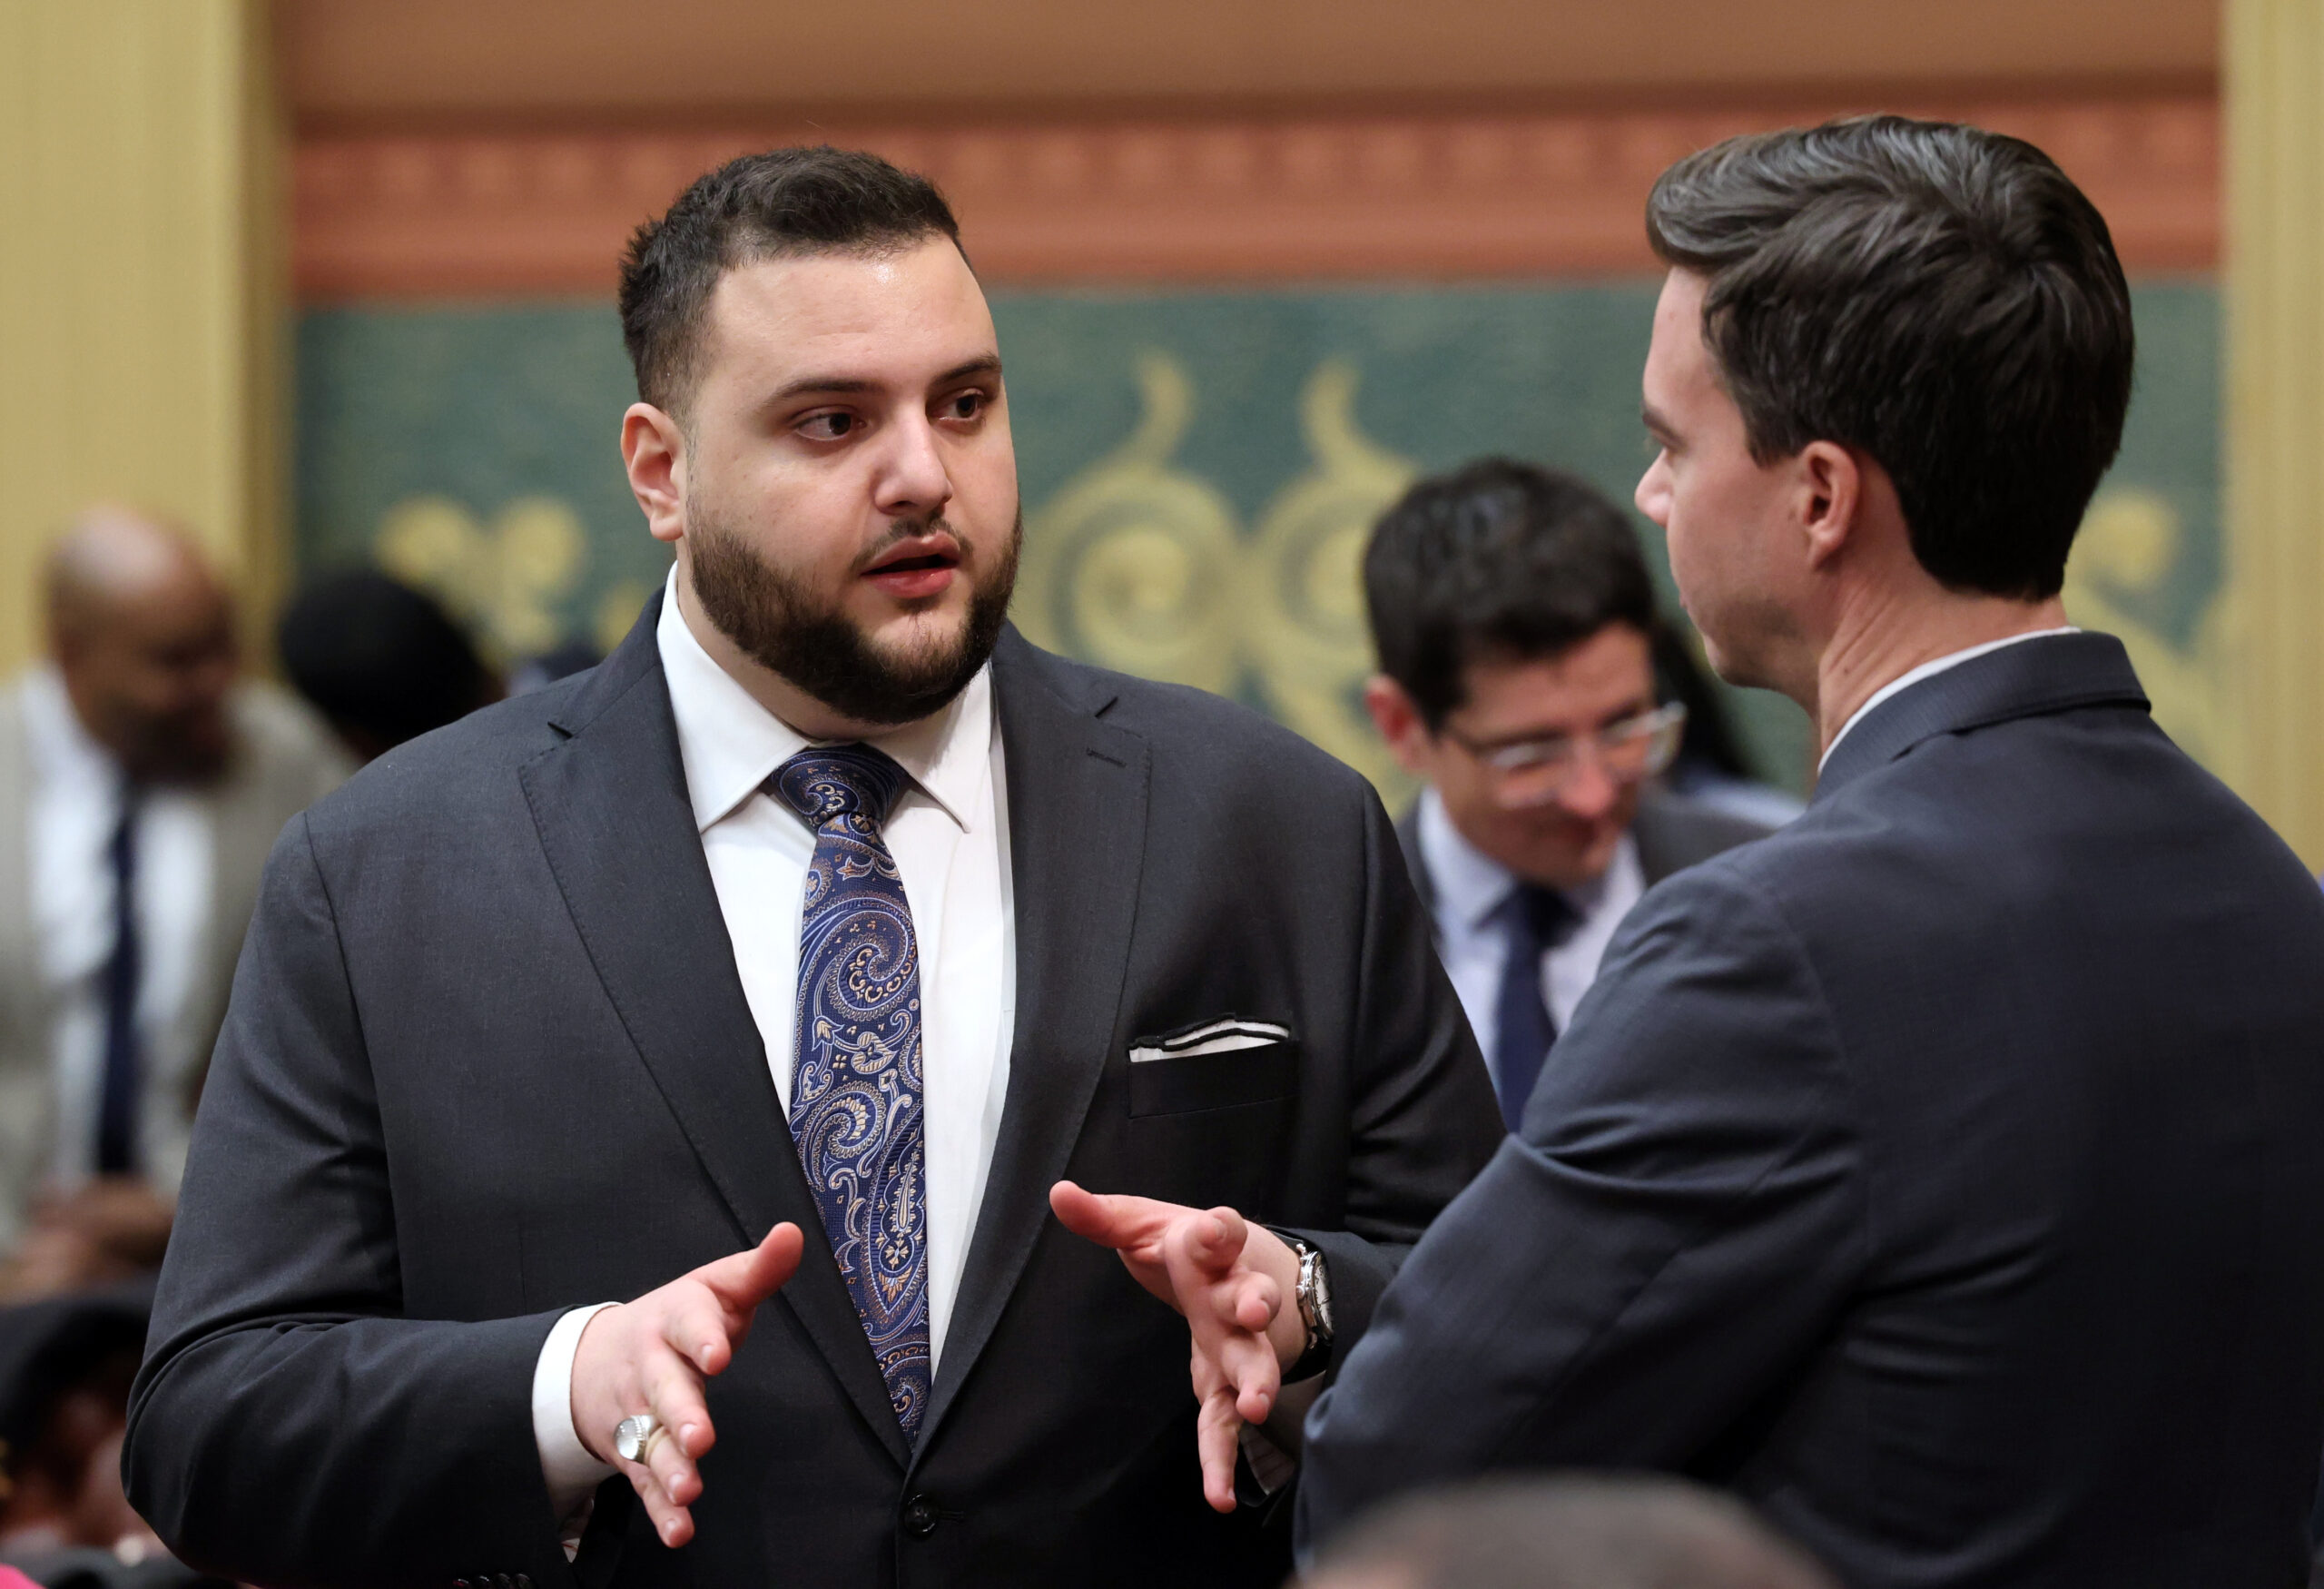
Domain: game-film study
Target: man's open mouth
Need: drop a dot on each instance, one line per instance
(920, 567)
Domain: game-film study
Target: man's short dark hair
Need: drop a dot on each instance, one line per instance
(1496, 561)
(762, 206)
(1941, 298)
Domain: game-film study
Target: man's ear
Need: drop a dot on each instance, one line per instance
(1399, 721)
(1831, 488)
(653, 449)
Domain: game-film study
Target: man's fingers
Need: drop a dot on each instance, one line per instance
(1249, 1366)
(1215, 1240)
(677, 1476)
(1110, 1219)
(696, 1328)
(1250, 1300)
(673, 1395)
(672, 1523)
(746, 1280)
(1218, 1437)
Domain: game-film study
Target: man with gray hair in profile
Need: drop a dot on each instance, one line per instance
(1566, 1531)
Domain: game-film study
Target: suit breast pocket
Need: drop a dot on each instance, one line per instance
(1224, 1063)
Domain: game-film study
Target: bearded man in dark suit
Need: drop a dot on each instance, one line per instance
(827, 921)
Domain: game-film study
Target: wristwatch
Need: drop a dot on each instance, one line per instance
(1314, 1296)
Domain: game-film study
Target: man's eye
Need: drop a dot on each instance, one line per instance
(967, 405)
(828, 426)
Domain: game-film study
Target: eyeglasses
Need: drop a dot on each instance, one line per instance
(1534, 772)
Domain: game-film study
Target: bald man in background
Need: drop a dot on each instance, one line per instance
(141, 783)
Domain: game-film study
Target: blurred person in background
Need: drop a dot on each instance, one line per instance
(1566, 1532)
(141, 783)
(66, 1368)
(1514, 618)
(381, 661)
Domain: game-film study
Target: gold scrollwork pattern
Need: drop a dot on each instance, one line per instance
(1304, 622)
(1138, 564)
(505, 579)
(1133, 565)
(2127, 553)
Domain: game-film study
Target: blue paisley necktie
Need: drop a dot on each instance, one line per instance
(855, 1092)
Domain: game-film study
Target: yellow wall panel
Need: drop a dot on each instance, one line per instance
(140, 280)
(2275, 406)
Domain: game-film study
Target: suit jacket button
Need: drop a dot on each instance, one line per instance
(919, 1516)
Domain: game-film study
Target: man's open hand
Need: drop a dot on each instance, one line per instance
(650, 1356)
(1232, 1280)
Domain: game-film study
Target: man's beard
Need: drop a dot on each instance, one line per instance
(784, 627)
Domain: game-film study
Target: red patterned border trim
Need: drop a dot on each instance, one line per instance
(1222, 200)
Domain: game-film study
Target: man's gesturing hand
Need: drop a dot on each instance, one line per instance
(650, 1356)
(1232, 1280)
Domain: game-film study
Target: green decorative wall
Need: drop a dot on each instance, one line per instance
(1199, 470)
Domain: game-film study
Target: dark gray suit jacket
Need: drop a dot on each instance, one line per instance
(1940, 1172)
(487, 1058)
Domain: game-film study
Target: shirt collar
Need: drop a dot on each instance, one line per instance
(1473, 886)
(731, 744)
(62, 749)
(1930, 669)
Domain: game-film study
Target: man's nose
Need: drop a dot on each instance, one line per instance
(912, 479)
(1653, 493)
(1590, 791)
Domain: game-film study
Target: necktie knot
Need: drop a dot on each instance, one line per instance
(832, 780)
(1546, 914)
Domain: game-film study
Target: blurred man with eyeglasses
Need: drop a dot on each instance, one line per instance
(1513, 618)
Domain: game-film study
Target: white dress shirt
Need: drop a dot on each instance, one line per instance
(1905, 681)
(76, 803)
(950, 836)
(1469, 888)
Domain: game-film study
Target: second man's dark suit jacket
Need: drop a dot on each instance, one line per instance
(488, 1058)
(1940, 1172)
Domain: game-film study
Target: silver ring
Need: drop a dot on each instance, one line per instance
(634, 1436)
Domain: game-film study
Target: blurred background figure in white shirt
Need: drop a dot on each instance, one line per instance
(142, 781)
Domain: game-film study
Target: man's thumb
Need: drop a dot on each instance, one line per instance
(749, 1278)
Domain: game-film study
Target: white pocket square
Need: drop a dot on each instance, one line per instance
(1210, 1037)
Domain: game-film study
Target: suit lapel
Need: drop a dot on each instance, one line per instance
(611, 808)
(1077, 828)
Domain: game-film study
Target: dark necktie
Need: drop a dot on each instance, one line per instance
(117, 1100)
(1533, 921)
(855, 1088)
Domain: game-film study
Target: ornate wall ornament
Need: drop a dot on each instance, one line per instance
(2127, 560)
(1304, 621)
(1138, 564)
(1134, 564)
(504, 579)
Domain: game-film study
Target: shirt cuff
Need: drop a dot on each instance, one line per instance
(571, 1471)
(1272, 1452)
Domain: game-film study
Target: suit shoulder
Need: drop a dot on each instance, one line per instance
(451, 770)
(1674, 831)
(1184, 724)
